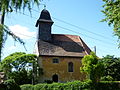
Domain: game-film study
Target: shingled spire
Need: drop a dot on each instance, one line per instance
(44, 23)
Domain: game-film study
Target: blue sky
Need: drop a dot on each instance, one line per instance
(83, 17)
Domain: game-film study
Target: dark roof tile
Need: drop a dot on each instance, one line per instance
(63, 45)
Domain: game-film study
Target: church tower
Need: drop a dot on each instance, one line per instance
(44, 23)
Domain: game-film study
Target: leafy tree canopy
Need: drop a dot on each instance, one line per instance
(17, 61)
(112, 13)
(20, 67)
(112, 67)
(9, 5)
(92, 66)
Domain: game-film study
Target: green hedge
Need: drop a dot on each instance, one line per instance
(108, 85)
(27, 87)
(76, 85)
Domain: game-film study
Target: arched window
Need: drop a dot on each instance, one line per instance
(70, 67)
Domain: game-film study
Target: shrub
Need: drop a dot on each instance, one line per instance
(87, 85)
(48, 81)
(107, 78)
(11, 85)
(40, 86)
(76, 85)
(3, 87)
(27, 87)
(108, 85)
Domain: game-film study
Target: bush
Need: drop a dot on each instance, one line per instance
(27, 87)
(108, 85)
(41, 86)
(21, 77)
(3, 87)
(76, 85)
(107, 78)
(48, 81)
(11, 85)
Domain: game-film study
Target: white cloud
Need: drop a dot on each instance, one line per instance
(22, 32)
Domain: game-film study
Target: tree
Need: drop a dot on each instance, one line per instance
(7, 6)
(20, 67)
(112, 68)
(4, 31)
(112, 14)
(92, 66)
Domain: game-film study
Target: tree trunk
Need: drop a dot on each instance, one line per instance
(2, 16)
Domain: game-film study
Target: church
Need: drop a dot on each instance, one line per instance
(59, 55)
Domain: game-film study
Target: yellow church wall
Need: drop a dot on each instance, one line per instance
(61, 68)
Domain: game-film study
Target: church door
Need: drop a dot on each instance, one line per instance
(55, 78)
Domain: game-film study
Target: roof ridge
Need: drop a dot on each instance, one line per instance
(66, 35)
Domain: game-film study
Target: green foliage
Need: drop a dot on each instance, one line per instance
(27, 87)
(76, 85)
(112, 14)
(17, 66)
(18, 61)
(10, 5)
(21, 77)
(48, 81)
(11, 85)
(5, 31)
(41, 87)
(92, 66)
(107, 78)
(107, 85)
(112, 67)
